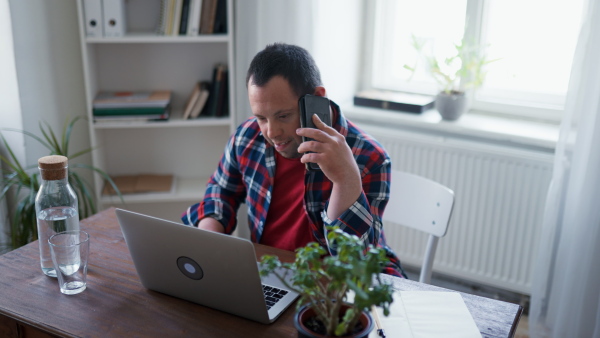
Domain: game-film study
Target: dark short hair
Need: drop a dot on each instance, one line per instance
(291, 62)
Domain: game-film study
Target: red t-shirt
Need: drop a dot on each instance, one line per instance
(287, 226)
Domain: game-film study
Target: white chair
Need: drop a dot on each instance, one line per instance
(421, 204)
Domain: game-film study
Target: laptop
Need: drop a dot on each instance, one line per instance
(208, 268)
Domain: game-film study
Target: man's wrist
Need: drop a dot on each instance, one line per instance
(211, 224)
(342, 197)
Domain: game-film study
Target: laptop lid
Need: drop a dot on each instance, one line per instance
(208, 268)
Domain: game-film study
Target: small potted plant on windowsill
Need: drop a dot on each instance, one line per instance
(456, 75)
(325, 284)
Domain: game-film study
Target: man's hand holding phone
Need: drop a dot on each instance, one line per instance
(333, 155)
(324, 148)
(328, 148)
(321, 144)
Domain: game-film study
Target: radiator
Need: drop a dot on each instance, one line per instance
(500, 194)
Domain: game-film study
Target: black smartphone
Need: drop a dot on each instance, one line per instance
(313, 105)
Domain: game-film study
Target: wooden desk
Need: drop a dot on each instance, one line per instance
(116, 304)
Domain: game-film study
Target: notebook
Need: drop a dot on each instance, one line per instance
(208, 268)
(427, 314)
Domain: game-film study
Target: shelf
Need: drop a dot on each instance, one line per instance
(142, 60)
(173, 122)
(153, 38)
(186, 189)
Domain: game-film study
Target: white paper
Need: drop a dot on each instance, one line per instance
(430, 314)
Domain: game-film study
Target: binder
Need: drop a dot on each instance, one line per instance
(194, 19)
(185, 15)
(212, 106)
(114, 18)
(169, 21)
(207, 20)
(176, 17)
(162, 21)
(220, 24)
(222, 103)
(92, 11)
(213, 14)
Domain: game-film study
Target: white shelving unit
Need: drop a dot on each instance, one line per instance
(142, 60)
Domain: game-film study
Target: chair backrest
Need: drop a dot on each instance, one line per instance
(422, 204)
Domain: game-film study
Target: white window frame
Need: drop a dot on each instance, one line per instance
(475, 14)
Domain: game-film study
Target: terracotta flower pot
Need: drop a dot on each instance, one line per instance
(305, 313)
(451, 106)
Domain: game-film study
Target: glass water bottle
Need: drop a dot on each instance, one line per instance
(55, 206)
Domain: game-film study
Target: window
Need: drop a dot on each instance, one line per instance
(533, 42)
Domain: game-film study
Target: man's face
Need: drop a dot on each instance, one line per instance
(275, 106)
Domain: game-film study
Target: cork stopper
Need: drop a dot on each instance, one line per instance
(53, 167)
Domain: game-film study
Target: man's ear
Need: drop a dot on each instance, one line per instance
(320, 91)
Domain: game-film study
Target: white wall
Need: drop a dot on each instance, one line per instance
(42, 78)
(49, 69)
(337, 36)
(262, 22)
(331, 30)
(10, 107)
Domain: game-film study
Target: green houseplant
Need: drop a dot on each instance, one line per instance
(25, 181)
(455, 74)
(325, 284)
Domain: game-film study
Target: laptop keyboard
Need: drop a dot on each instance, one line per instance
(272, 295)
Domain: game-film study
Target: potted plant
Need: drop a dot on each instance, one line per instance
(455, 74)
(25, 182)
(337, 291)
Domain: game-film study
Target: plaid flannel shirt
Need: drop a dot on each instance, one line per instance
(246, 172)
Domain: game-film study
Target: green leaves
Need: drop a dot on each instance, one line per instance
(457, 72)
(25, 185)
(24, 181)
(324, 281)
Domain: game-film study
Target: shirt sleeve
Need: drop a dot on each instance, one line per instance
(224, 193)
(363, 217)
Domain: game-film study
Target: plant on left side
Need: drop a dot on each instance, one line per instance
(25, 181)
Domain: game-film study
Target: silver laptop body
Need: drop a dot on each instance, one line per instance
(208, 268)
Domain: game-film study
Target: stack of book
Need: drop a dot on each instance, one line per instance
(209, 99)
(192, 17)
(132, 106)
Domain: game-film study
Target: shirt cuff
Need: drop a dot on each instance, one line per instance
(358, 214)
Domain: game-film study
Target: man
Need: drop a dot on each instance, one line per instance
(263, 165)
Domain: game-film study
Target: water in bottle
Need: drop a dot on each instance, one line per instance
(55, 205)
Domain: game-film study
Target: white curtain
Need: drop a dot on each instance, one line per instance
(258, 23)
(330, 30)
(565, 299)
(261, 22)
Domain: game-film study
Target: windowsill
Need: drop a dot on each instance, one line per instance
(473, 125)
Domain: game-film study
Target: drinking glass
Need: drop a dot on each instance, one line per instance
(70, 251)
